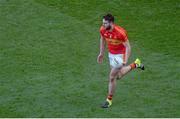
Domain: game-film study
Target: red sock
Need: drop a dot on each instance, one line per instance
(133, 66)
(109, 97)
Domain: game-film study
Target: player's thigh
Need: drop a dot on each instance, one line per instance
(116, 61)
(113, 73)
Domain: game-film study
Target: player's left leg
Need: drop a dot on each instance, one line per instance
(125, 69)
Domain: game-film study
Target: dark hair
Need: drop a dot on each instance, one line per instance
(109, 17)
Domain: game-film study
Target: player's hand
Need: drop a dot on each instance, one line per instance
(100, 58)
(125, 62)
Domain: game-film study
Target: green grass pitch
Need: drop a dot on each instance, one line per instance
(48, 51)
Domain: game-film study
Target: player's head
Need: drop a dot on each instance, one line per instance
(108, 21)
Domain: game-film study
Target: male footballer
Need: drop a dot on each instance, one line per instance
(119, 52)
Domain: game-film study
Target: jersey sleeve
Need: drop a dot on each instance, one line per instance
(125, 36)
(101, 30)
(123, 33)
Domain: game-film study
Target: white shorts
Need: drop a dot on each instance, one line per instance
(116, 60)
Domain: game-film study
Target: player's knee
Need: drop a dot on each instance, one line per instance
(111, 78)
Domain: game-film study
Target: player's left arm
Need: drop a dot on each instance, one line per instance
(128, 50)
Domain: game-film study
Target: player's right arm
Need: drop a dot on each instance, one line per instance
(102, 50)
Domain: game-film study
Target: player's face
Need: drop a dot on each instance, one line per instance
(107, 24)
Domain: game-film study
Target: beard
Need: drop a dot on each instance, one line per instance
(108, 28)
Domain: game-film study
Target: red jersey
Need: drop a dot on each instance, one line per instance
(115, 39)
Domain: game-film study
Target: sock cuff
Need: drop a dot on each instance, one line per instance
(110, 97)
(133, 65)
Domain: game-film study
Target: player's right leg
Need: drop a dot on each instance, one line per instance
(111, 87)
(115, 63)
